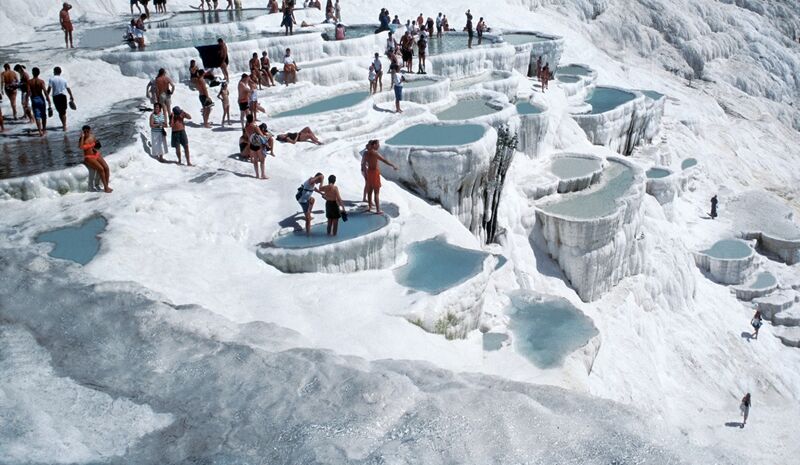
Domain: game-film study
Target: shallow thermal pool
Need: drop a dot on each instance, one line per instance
(657, 173)
(335, 103)
(688, 163)
(573, 70)
(547, 329)
(358, 224)
(652, 95)
(466, 109)
(527, 108)
(574, 167)
(598, 201)
(567, 78)
(430, 135)
(447, 43)
(763, 280)
(411, 84)
(729, 249)
(77, 243)
(351, 32)
(26, 155)
(603, 99)
(519, 38)
(435, 266)
(194, 18)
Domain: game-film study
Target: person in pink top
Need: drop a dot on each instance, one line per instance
(66, 24)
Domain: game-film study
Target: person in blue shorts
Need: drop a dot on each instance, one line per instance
(305, 197)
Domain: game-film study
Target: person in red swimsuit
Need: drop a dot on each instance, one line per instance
(92, 158)
(66, 24)
(372, 159)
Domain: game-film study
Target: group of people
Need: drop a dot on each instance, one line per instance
(37, 98)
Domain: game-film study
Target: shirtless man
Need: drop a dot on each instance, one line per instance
(38, 97)
(164, 89)
(178, 135)
(255, 69)
(10, 84)
(407, 50)
(333, 205)
(372, 159)
(66, 24)
(244, 97)
(25, 90)
(205, 101)
(223, 57)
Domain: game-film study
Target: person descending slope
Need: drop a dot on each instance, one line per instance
(714, 202)
(756, 323)
(744, 407)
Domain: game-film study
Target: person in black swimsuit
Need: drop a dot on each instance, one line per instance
(305, 135)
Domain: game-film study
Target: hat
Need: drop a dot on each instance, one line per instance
(177, 110)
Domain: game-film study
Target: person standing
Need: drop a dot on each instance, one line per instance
(744, 407)
(439, 25)
(38, 97)
(422, 45)
(333, 205)
(66, 24)
(25, 91)
(243, 99)
(205, 101)
(266, 69)
(338, 12)
(407, 51)
(756, 323)
(288, 21)
(57, 88)
(289, 68)
(223, 57)
(373, 159)
(481, 26)
(397, 85)
(179, 138)
(224, 96)
(256, 141)
(255, 68)
(539, 68)
(136, 4)
(10, 86)
(305, 197)
(714, 202)
(158, 132)
(545, 76)
(376, 63)
(469, 29)
(371, 78)
(164, 89)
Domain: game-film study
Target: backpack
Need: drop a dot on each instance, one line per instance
(299, 193)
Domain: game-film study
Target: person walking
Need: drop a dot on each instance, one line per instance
(224, 60)
(714, 202)
(744, 407)
(243, 98)
(57, 88)
(39, 95)
(179, 138)
(25, 91)
(10, 86)
(224, 97)
(378, 65)
(334, 207)
(164, 89)
(205, 101)
(756, 323)
(373, 159)
(305, 197)
(158, 132)
(66, 24)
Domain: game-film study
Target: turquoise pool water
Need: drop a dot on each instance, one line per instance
(466, 109)
(604, 99)
(574, 167)
(358, 224)
(657, 173)
(573, 70)
(79, 243)
(596, 202)
(351, 32)
(447, 43)
(729, 249)
(411, 84)
(429, 135)
(546, 330)
(527, 108)
(652, 95)
(763, 280)
(519, 38)
(435, 266)
(335, 103)
(493, 341)
(194, 18)
(567, 78)
(688, 163)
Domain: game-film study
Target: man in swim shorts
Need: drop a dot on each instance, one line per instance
(223, 57)
(468, 28)
(244, 97)
(372, 158)
(38, 95)
(305, 197)
(57, 88)
(205, 101)
(10, 86)
(66, 24)
(179, 138)
(333, 205)
(164, 89)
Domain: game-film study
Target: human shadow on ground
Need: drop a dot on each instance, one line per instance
(734, 424)
(747, 336)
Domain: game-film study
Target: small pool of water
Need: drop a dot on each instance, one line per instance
(574, 167)
(351, 32)
(546, 330)
(763, 280)
(447, 43)
(493, 341)
(603, 99)
(567, 78)
(466, 109)
(599, 201)
(28, 154)
(657, 173)
(729, 249)
(688, 163)
(335, 103)
(418, 83)
(435, 266)
(652, 95)
(358, 224)
(573, 70)
(429, 135)
(194, 18)
(519, 38)
(527, 108)
(79, 243)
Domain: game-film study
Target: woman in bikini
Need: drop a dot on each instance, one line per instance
(305, 135)
(92, 158)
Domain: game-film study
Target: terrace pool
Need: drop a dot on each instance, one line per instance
(603, 99)
(568, 167)
(598, 201)
(433, 135)
(729, 249)
(79, 243)
(335, 103)
(358, 224)
(466, 109)
(435, 266)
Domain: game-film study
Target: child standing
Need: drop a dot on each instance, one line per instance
(373, 80)
(226, 105)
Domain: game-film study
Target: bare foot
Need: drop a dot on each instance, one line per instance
(189, 164)
(108, 190)
(206, 125)
(379, 212)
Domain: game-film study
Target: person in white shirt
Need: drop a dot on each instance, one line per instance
(376, 63)
(397, 84)
(58, 89)
(289, 68)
